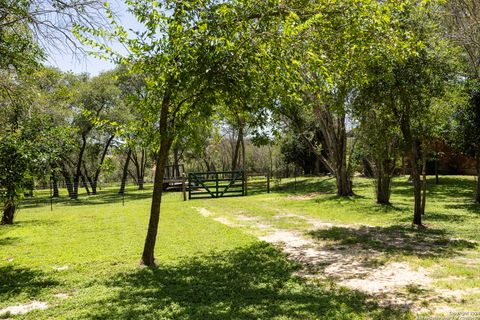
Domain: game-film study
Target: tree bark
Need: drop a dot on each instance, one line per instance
(8, 212)
(236, 151)
(344, 184)
(56, 193)
(176, 161)
(384, 178)
(416, 160)
(477, 193)
(424, 186)
(333, 129)
(99, 169)
(139, 167)
(78, 170)
(69, 185)
(141, 177)
(85, 184)
(125, 172)
(244, 157)
(416, 166)
(148, 256)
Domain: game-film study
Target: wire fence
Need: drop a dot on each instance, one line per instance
(52, 195)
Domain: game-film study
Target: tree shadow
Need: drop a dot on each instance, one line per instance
(470, 207)
(397, 240)
(458, 187)
(254, 282)
(15, 281)
(306, 185)
(8, 240)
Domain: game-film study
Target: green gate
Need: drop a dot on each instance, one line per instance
(216, 184)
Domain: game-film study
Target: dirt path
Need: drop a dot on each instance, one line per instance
(352, 265)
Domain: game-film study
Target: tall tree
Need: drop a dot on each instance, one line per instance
(322, 60)
(184, 54)
(463, 20)
(96, 110)
(30, 141)
(409, 87)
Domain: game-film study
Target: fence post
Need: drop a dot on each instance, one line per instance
(245, 183)
(51, 195)
(295, 175)
(268, 182)
(216, 184)
(184, 187)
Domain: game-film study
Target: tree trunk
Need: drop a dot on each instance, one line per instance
(344, 180)
(477, 193)
(78, 171)
(94, 182)
(244, 157)
(140, 167)
(56, 193)
(236, 151)
(148, 256)
(125, 172)
(383, 184)
(367, 168)
(316, 169)
(85, 184)
(424, 186)
(69, 185)
(416, 160)
(176, 161)
(141, 177)
(344, 183)
(8, 212)
(76, 182)
(207, 164)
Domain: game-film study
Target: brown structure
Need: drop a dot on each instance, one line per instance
(451, 161)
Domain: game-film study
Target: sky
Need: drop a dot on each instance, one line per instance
(67, 61)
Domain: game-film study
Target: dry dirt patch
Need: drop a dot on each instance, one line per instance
(306, 196)
(24, 308)
(356, 265)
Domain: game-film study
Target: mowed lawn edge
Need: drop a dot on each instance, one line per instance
(85, 254)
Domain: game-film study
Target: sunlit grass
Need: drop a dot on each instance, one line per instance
(82, 258)
(88, 251)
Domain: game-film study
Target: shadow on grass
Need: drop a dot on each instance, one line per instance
(398, 240)
(304, 185)
(29, 283)
(255, 282)
(470, 207)
(449, 187)
(8, 241)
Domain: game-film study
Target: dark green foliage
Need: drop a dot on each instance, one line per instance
(298, 151)
(14, 166)
(18, 48)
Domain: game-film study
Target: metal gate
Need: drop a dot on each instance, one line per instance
(216, 184)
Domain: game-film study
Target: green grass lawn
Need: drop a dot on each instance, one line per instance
(82, 258)
(448, 247)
